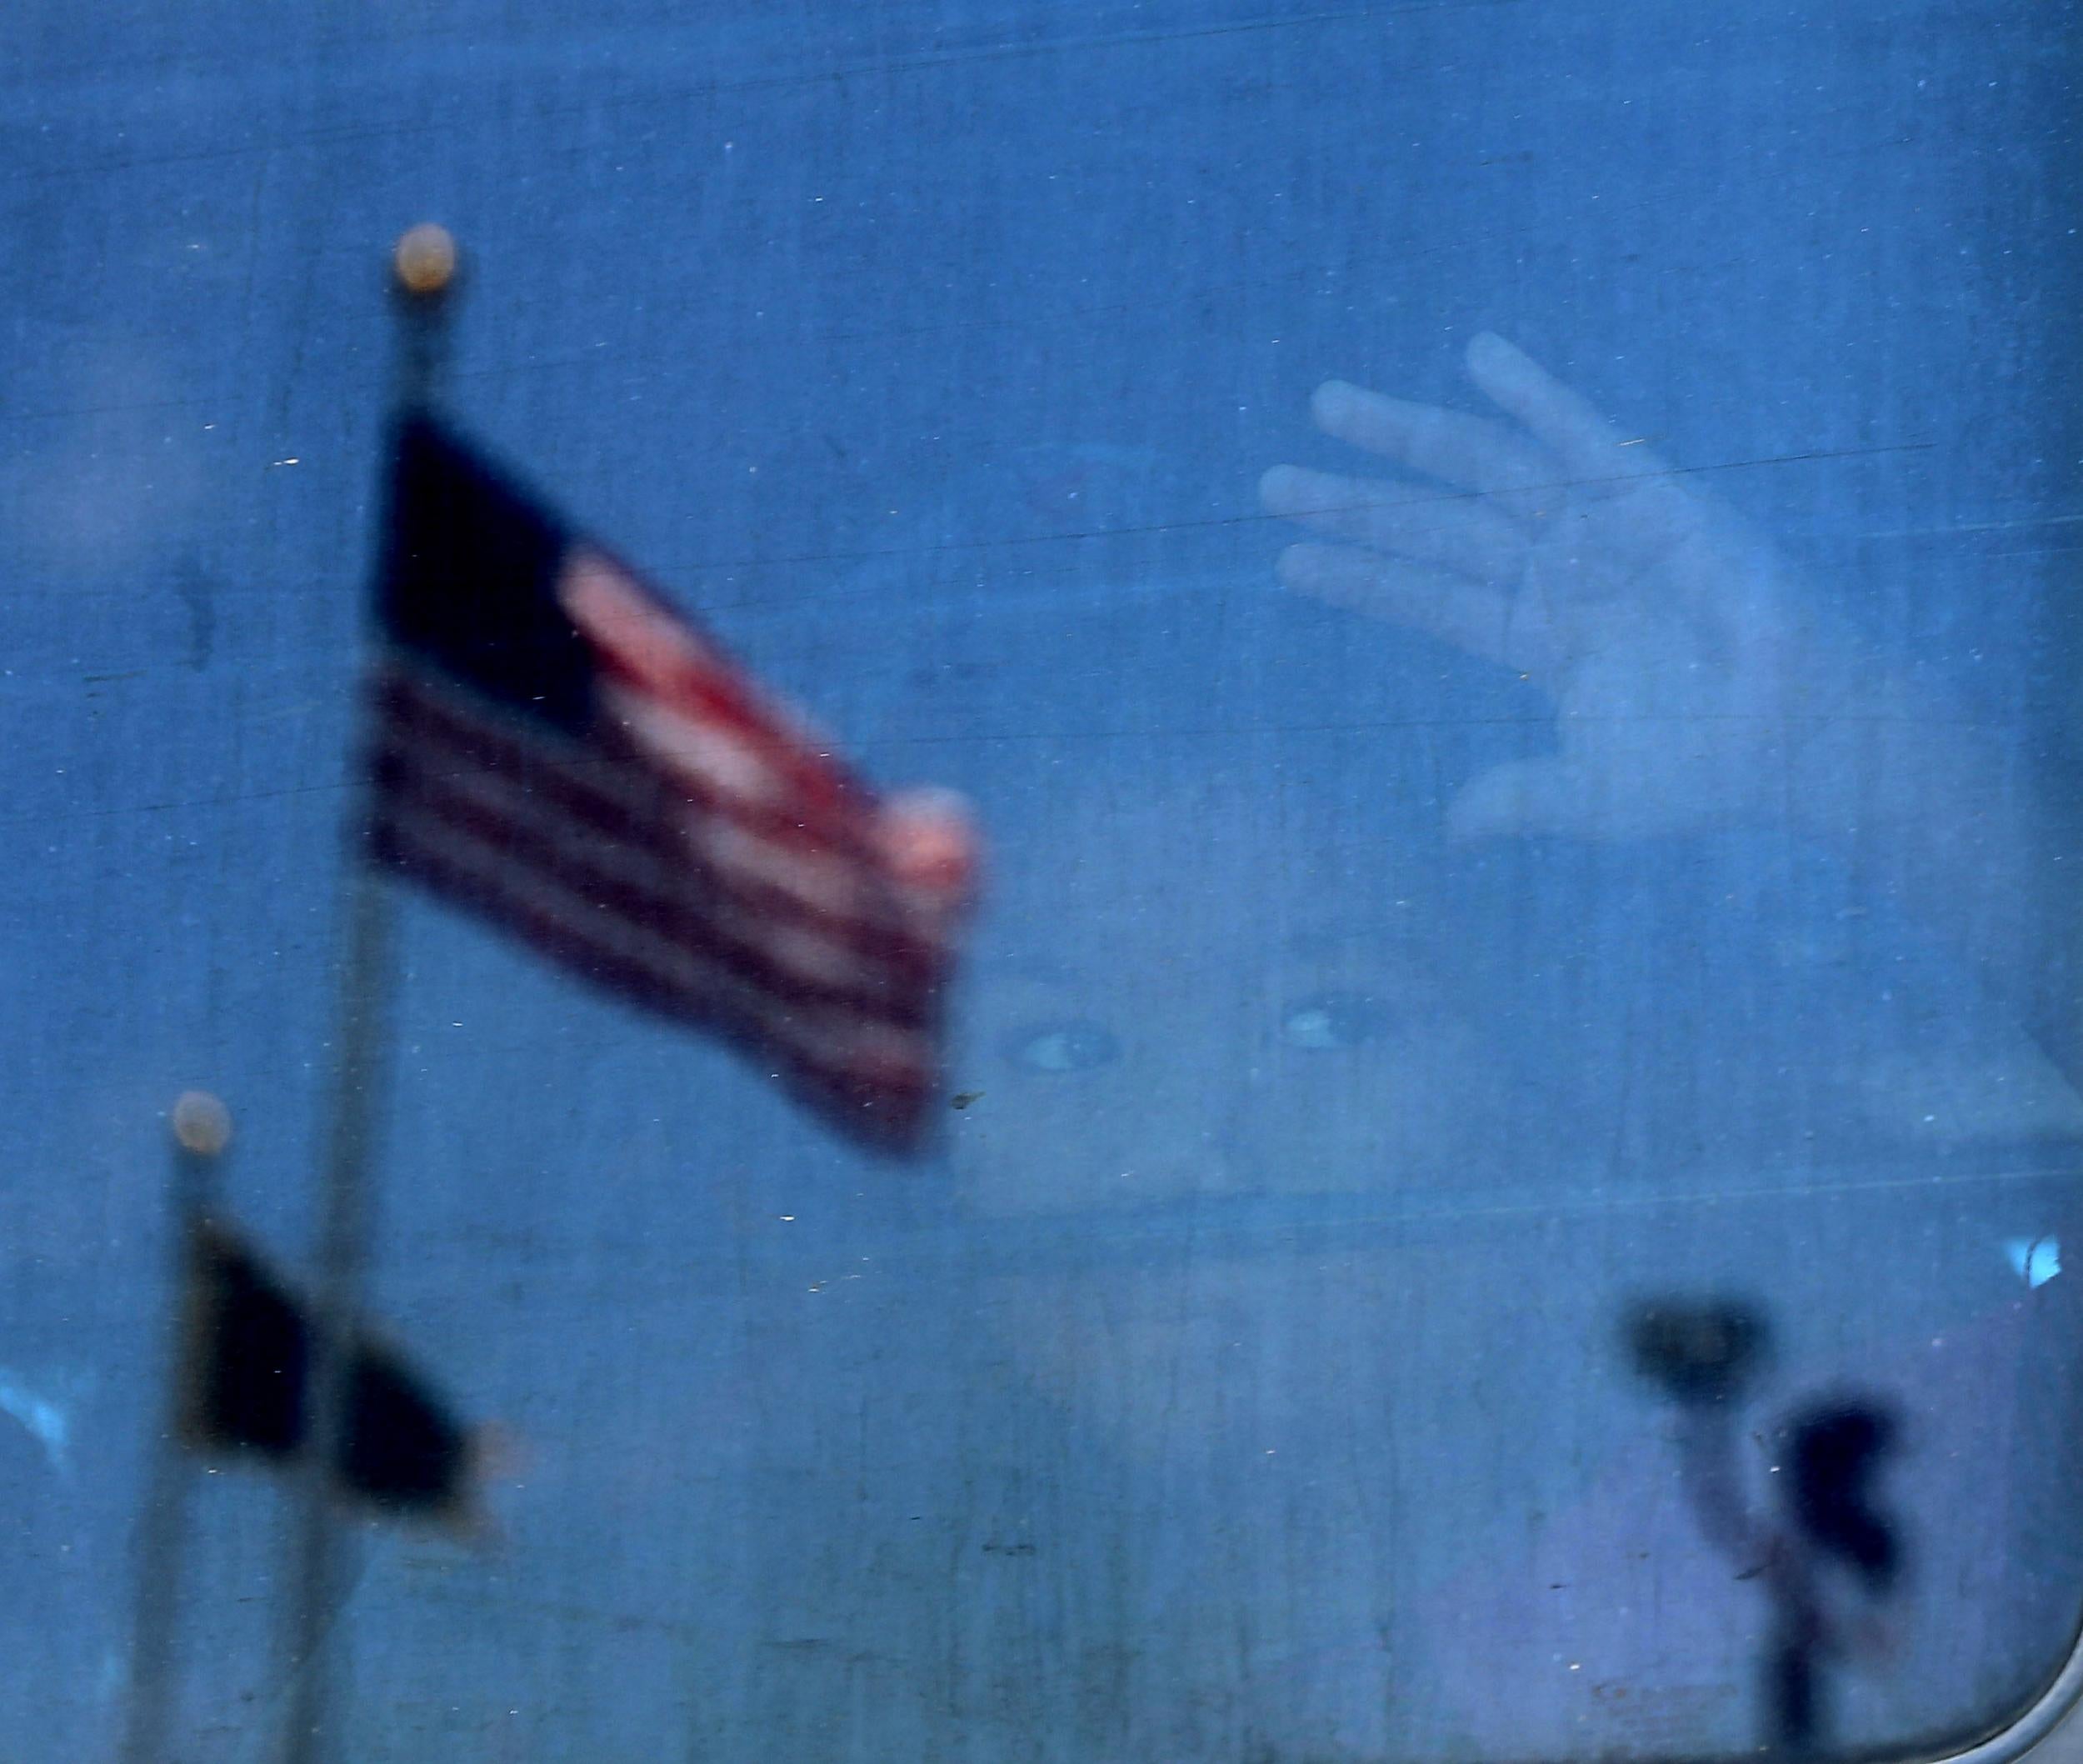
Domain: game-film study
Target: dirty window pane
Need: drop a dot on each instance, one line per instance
(1498, 577)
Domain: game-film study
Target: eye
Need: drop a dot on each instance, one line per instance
(1072, 1046)
(1335, 1020)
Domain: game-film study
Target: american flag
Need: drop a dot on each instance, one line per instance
(558, 750)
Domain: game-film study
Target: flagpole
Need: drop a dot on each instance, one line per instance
(423, 277)
(201, 1129)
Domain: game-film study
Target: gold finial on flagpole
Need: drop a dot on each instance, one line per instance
(202, 1123)
(425, 270)
(201, 1129)
(424, 260)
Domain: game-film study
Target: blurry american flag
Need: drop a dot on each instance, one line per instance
(559, 751)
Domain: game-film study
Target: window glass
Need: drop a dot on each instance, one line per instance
(1497, 574)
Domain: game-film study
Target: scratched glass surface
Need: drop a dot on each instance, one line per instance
(1499, 573)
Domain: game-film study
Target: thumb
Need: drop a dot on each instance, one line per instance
(1531, 796)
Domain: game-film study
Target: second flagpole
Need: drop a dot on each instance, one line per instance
(423, 276)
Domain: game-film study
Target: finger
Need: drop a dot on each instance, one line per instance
(1470, 617)
(1472, 452)
(1528, 797)
(1583, 443)
(1597, 465)
(1450, 529)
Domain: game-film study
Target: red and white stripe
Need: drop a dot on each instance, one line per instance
(700, 853)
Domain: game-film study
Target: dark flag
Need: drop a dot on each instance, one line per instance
(558, 750)
(246, 1378)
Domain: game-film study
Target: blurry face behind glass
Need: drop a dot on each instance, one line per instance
(1208, 989)
(1194, 986)
(1212, 997)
